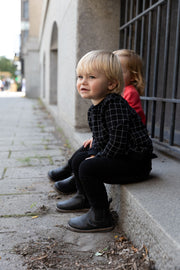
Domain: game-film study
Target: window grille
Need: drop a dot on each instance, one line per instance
(152, 29)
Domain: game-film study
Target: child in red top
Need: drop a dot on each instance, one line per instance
(132, 66)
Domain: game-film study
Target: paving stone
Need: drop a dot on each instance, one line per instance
(27, 172)
(4, 155)
(21, 146)
(23, 204)
(30, 161)
(36, 153)
(35, 185)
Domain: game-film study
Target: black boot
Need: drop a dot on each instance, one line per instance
(95, 220)
(75, 204)
(60, 173)
(66, 186)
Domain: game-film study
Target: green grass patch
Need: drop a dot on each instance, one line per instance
(4, 172)
(28, 160)
(20, 215)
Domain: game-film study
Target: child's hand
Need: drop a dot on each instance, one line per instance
(90, 157)
(88, 142)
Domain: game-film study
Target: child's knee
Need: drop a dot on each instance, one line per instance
(87, 168)
(77, 160)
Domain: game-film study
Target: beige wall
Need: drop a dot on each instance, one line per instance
(35, 10)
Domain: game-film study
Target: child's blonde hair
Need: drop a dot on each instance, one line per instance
(135, 65)
(104, 62)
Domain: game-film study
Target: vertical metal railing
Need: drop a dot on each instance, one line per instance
(125, 31)
(165, 71)
(130, 26)
(142, 31)
(175, 76)
(154, 87)
(136, 26)
(146, 103)
(152, 29)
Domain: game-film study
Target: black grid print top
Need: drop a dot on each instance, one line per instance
(117, 129)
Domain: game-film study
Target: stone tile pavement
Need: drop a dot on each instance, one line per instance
(29, 146)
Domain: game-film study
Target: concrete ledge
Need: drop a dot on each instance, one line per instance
(149, 211)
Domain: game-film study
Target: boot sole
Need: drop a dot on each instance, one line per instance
(61, 192)
(107, 229)
(72, 210)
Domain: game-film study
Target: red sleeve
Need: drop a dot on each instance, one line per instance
(131, 95)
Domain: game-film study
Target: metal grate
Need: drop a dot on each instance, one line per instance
(152, 29)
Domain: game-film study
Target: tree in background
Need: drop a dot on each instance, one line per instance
(8, 65)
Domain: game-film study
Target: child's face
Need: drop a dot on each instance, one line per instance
(94, 86)
(126, 73)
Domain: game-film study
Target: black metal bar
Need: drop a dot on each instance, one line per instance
(120, 19)
(156, 62)
(175, 76)
(148, 62)
(136, 26)
(165, 69)
(130, 26)
(142, 14)
(125, 30)
(142, 32)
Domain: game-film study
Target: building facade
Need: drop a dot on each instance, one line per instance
(31, 11)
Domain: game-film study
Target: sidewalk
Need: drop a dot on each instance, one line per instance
(29, 147)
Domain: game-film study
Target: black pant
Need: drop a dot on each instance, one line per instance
(91, 174)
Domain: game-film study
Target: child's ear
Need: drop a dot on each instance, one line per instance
(112, 85)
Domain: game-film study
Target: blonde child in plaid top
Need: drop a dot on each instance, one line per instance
(121, 149)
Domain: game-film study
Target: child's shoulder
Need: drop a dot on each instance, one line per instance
(130, 88)
(115, 99)
(109, 100)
